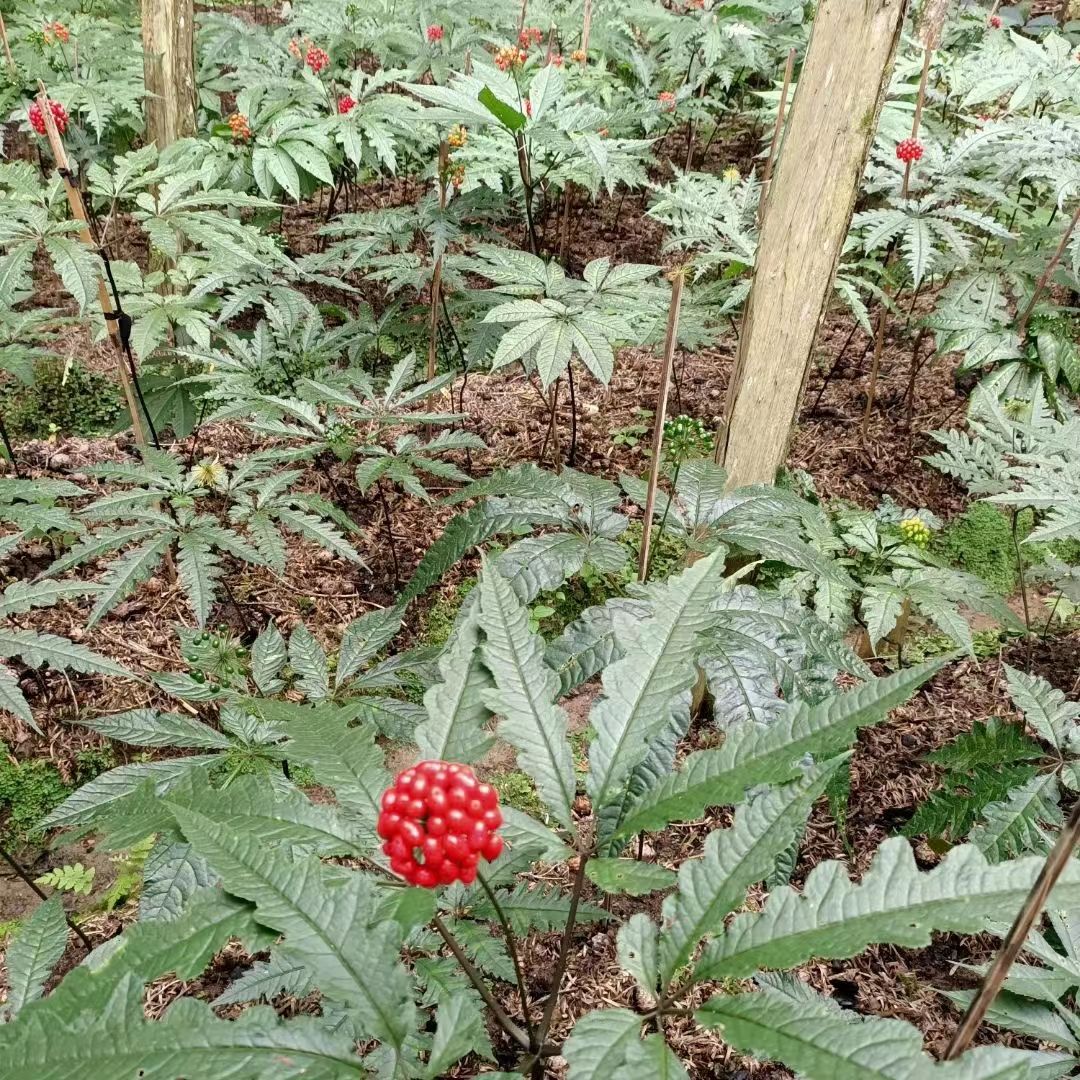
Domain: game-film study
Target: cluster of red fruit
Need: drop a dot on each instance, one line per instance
(455, 173)
(509, 56)
(238, 124)
(346, 104)
(434, 33)
(59, 115)
(995, 22)
(667, 100)
(556, 59)
(316, 58)
(55, 31)
(437, 822)
(909, 150)
(531, 35)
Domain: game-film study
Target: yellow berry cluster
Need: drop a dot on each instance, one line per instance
(457, 137)
(915, 531)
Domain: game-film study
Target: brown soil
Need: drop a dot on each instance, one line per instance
(889, 775)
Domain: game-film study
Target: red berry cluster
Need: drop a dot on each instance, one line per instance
(437, 822)
(434, 33)
(667, 100)
(317, 58)
(531, 35)
(995, 22)
(345, 104)
(59, 114)
(909, 150)
(55, 31)
(556, 59)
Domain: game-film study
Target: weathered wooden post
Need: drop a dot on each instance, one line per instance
(811, 198)
(168, 38)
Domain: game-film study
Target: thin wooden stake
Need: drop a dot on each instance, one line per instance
(78, 211)
(789, 70)
(1013, 945)
(468, 62)
(1044, 280)
(586, 26)
(658, 419)
(436, 274)
(7, 48)
(916, 122)
(521, 17)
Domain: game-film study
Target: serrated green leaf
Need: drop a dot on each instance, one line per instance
(38, 946)
(524, 695)
(629, 876)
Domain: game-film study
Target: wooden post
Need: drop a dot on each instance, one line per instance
(789, 69)
(168, 38)
(833, 118)
(78, 211)
(586, 26)
(7, 49)
(658, 419)
(436, 273)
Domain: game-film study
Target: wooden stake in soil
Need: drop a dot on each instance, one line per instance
(789, 69)
(7, 49)
(658, 419)
(1014, 942)
(436, 273)
(831, 124)
(1051, 266)
(586, 26)
(78, 211)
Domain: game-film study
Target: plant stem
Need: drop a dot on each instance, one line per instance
(1060, 856)
(8, 447)
(564, 951)
(513, 1030)
(1020, 568)
(515, 956)
(1044, 280)
(32, 885)
(572, 459)
(879, 345)
(389, 531)
(658, 422)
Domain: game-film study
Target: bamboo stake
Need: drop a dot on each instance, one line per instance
(1014, 943)
(917, 121)
(436, 274)
(7, 48)
(521, 17)
(789, 69)
(661, 413)
(586, 26)
(1051, 266)
(78, 211)
(468, 62)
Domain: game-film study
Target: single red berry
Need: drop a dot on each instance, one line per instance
(437, 821)
(995, 22)
(345, 105)
(909, 150)
(434, 33)
(528, 107)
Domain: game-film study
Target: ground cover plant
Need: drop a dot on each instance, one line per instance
(395, 678)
